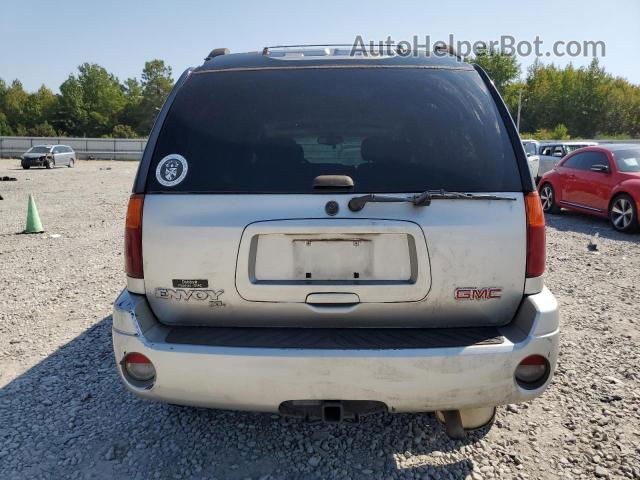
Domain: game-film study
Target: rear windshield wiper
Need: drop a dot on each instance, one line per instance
(422, 199)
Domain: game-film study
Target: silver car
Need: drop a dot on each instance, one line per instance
(48, 156)
(328, 236)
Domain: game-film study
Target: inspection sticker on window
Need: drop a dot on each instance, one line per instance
(172, 170)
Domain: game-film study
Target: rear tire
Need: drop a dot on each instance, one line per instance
(71, 162)
(548, 199)
(623, 214)
(26, 167)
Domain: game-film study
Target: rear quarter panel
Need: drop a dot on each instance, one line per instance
(629, 184)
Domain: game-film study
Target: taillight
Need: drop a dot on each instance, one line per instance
(532, 372)
(535, 235)
(133, 237)
(138, 367)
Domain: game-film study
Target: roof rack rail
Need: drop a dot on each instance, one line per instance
(216, 52)
(444, 48)
(267, 50)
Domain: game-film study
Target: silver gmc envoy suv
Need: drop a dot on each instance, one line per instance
(329, 235)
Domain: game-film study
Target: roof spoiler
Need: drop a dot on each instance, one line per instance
(448, 49)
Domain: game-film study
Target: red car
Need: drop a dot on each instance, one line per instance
(602, 181)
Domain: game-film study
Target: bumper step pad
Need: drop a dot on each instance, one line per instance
(334, 338)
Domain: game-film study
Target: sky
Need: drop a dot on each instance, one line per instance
(42, 42)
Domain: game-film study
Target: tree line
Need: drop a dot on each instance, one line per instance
(91, 103)
(560, 103)
(569, 102)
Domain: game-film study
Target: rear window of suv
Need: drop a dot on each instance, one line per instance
(389, 129)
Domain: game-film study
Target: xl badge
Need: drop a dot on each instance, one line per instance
(188, 295)
(473, 293)
(172, 170)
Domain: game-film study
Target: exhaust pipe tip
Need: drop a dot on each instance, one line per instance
(458, 422)
(453, 424)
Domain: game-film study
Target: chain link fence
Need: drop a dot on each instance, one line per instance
(85, 148)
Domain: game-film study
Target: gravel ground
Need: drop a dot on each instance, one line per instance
(65, 414)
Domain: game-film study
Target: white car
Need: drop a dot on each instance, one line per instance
(314, 235)
(533, 160)
(550, 153)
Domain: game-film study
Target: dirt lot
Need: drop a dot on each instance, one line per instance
(64, 413)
